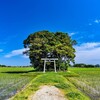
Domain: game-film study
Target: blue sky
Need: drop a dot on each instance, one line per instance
(79, 18)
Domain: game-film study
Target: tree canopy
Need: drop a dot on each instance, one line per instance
(44, 44)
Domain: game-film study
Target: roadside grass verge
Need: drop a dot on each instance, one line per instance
(52, 79)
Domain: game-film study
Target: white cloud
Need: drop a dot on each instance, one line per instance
(88, 53)
(1, 50)
(86, 46)
(15, 53)
(71, 34)
(97, 21)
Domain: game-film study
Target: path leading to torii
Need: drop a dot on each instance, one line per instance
(48, 93)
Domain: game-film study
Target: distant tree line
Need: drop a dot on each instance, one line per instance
(13, 66)
(3, 65)
(82, 65)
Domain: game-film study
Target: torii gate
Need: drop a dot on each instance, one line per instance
(49, 60)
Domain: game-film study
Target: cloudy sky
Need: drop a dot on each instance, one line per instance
(79, 18)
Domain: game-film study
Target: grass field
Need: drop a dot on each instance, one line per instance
(76, 84)
(12, 80)
(88, 81)
(52, 79)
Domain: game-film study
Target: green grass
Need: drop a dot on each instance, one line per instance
(88, 82)
(13, 80)
(76, 84)
(15, 69)
(55, 79)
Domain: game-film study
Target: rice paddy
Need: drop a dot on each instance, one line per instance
(86, 80)
(12, 81)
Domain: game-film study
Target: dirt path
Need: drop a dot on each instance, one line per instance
(48, 93)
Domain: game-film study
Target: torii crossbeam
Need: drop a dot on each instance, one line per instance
(49, 60)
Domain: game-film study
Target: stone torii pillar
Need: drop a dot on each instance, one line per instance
(49, 60)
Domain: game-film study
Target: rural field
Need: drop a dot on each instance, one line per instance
(12, 80)
(76, 84)
(88, 81)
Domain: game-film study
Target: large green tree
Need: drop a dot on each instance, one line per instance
(45, 44)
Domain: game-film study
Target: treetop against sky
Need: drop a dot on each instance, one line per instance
(19, 18)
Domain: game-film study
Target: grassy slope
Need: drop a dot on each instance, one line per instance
(56, 79)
